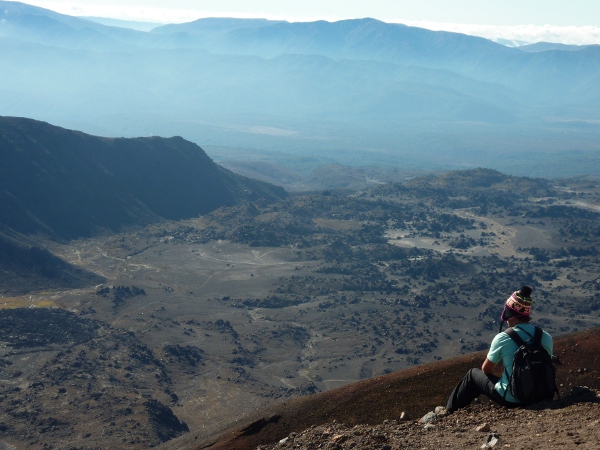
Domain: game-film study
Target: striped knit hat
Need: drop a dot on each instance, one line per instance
(518, 304)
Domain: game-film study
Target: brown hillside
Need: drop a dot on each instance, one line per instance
(414, 391)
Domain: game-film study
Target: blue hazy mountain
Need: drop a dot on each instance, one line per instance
(364, 39)
(359, 91)
(129, 24)
(546, 46)
(28, 23)
(373, 40)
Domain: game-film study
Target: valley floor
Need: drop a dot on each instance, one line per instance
(209, 320)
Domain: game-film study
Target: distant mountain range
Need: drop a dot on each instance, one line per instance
(130, 24)
(356, 91)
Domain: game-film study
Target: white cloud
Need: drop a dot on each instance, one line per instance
(159, 15)
(119, 11)
(529, 33)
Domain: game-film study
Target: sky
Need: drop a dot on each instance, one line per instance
(565, 21)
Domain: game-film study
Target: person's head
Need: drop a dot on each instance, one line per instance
(517, 308)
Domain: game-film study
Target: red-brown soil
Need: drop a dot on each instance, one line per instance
(568, 423)
(414, 391)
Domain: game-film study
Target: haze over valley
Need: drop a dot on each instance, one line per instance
(357, 92)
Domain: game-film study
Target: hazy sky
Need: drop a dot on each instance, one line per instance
(569, 21)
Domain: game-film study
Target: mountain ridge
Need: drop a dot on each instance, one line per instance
(107, 183)
(357, 39)
(28, 268)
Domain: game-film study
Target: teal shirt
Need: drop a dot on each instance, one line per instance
(503, 349)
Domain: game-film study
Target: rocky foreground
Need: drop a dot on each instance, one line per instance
(367, 415)
(572, 422)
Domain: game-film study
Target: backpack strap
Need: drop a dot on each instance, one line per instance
(515, 336)
(517, 339)
(537, 338)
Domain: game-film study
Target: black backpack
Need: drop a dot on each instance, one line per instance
(533, 376)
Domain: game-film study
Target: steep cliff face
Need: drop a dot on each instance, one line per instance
(68, 184)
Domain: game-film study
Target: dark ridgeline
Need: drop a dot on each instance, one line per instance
(69, 184)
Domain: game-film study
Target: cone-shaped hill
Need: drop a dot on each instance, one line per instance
(68, 184)
(414, 391)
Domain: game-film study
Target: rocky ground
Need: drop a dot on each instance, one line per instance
(573, 422)
(69, 382)
(223, 318)
(368, 414)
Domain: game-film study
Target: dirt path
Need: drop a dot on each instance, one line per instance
(504, 234)
(502, 242)
(587, 206)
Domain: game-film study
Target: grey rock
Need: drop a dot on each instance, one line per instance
(440, 411)
(428, 418)
(492, 441)
(5, 446)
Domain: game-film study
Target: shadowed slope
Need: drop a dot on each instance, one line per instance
(69, 184)
(26, 268)
(62, 184)
(415, 391)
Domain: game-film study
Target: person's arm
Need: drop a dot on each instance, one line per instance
(488, 367)
(494, 356)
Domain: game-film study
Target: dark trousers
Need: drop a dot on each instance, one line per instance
(472, 386)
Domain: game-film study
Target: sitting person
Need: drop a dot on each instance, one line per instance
(517, 313)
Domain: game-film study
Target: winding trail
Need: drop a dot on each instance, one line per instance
(503, 237)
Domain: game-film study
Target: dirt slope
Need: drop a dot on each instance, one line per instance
(569, 423)
(414, 391)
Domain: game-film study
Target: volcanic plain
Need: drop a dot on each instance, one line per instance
(204, 321)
